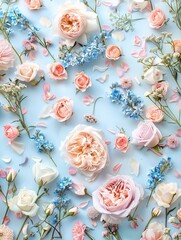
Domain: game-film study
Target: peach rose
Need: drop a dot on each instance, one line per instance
(27, 71)
(160, 88)
(146, 135)
(62, 110)
(85, 149)
(121, 142)
(154, 114)
(11, 132)
(177, 46)
(113, 52)
(6, 55)
(155, 231)
(57, 71)
(34, 4)
(82, 81)
(156, 18)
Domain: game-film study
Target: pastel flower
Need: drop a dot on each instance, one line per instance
(172, 141)
(6, 55)
(85, 149)
(113, 52)
(24, 202)
(138, 5)
(62, 110)
(11, 132)
(79, 189)
(166, 194)
(126, 83)
(153, 75)
(92, 213)
(179, 214)
(27, 71)
(73, 22)
(160, 89)
(82, 81)
(6, 233)
(156, 18)
(154, 114)
(34, 4)
(155, 231)
(78, 231)
(57, 71)
(121, 142)
(177, 46)
(116, 198)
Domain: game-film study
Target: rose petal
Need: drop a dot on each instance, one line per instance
(178, 133)
(41, 124)
(107, 142)
(93, 223)
(18, 215)
(87, 100)
(174, 97)
(106, 27)
(17, 147)
(111, 131)
(177, 174)
(6, 220)
(135, 54)
(103, 79)
(117, 167)
(100, 69)
(6, 159)
(118, 36)
(83, 204)
(125, 66)
(137, 41)
(119, 71)
(45, 22)
(134, 167)
(46, 112)
(24, 162)
(36, 159)
(72, 171)
(24, 111)
(3, 174)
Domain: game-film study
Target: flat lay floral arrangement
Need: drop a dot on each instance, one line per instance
(90, 111)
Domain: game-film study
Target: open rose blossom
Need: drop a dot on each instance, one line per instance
(160, 89)
(116, 198)
(153, 75)
(73, 22)
(62, 110)
(6, 233)
(113, 52)
(27, 71)
(146, 135)
(34, 4)
(78, 231)
(57, 71)
(121, 143)
(154, 114)
(6, 55)
(85, 149)
(155, 231)
(177, 46)
(156, 18)
(82, 81)
(11, 132)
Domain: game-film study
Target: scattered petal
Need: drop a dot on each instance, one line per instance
(117, 167)
(24, 111)
(46, 112)
(175, 97)
(178, 133)
(137, 80)
(36, 159)
(103, 79)
(177, 174)
(41, 124)
(111, 131)
(87, 100)
(6, 220)
(6, 159)
(107, 142)
(137, 41)
(100, 69)
(93, 223)
(83, 204)
(18, 215)
(118, 36)
(125, 66)
(119, 71)
(17, 147)
(142, 53)
(45, 22)
(135, 54)
(47, 95)
(106, 27)
(25, 229)
(24, 162)
(3, 173)
(45, 52)
(134, 167)
(72, 171)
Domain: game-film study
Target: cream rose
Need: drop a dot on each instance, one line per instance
(155, 231)
(166, 194)
(113, 52)
(154, 114)
(177, 46)
(27, 71)
(156, 18)
(34, 4)
(73, 22)
(44, 174)
(6, 55)
(62, 110)
(85, 149)
(138, 5)
(153, 75)
(82, 82)
(57, 71)
(146, 135)
(24, 202)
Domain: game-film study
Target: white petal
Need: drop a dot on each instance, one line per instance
(134, 167)
(46, 112)
(17, 147)
(6, 159)
(118, 36)
(45, 22)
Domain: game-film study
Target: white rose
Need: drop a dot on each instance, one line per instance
(44, 174)
(166, 194)
(138, 5)
(24, 202)
(27, 71)
(153, 75)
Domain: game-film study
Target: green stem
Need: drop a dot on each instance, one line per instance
(22, 227)
(148, 223)
(7, 206)
(166, 216)
(49, 155)
(88, 235)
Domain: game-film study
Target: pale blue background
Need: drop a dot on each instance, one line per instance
(109, 116)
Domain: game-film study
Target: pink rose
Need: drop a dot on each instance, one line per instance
(78, 231)
(160, 89)
(85, 149)
(27, 71)
(155, 231)
(179, 214)
(34, 4)
(6, 55)
(156, 18)
(121, 142)
(172, 141)
(57, 71)
(113, 52)
(146, 135)
(154, 114)
(82, 82)
(116, 198)
(62, 110)
(11, 132)
(177, 46)
(126, 83)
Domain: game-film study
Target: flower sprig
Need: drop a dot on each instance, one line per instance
(111, 231)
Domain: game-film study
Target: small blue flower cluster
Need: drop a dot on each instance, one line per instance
(42, 144)
(157, 174)
(88, 52)
(64, 184)
(14, 18)
(132, 106)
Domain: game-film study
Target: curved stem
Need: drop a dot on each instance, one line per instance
(22, 227)
(6, 199)
(93, 112)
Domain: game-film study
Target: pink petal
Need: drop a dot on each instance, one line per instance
(107, 142)
(3, 174)
(6, 220)
(111, 131)
(103, 79)
(119, 71)
(87, 100)
(135, 54)
(125, 66)
(178, 133)
(18, 215)
(45, 52)
(142, 53)
(31, 55)
(46, 87)
(72, 171)
(177, 174)
(83, 204)
(93, 223)
(106, 27)
(137, 41)
(117, 167)
(174, 97)
(149, 7)
(107, 63)
(24, 111)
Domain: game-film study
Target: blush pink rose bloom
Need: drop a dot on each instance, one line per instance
(154, 114)
(172, 141)
(177, 46)
(116, 198)
(113, 52)
(155, 231)
(85, 149)
(156, 18)
(82, 82)
(62, 110)
(57, 71)
(34, 4)
(121, 143)
(78, 231)
(27, 71)
(146, 135)
(160, 89)
(73, 22)
(6, 55)
(11, 132)
(126, 83)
